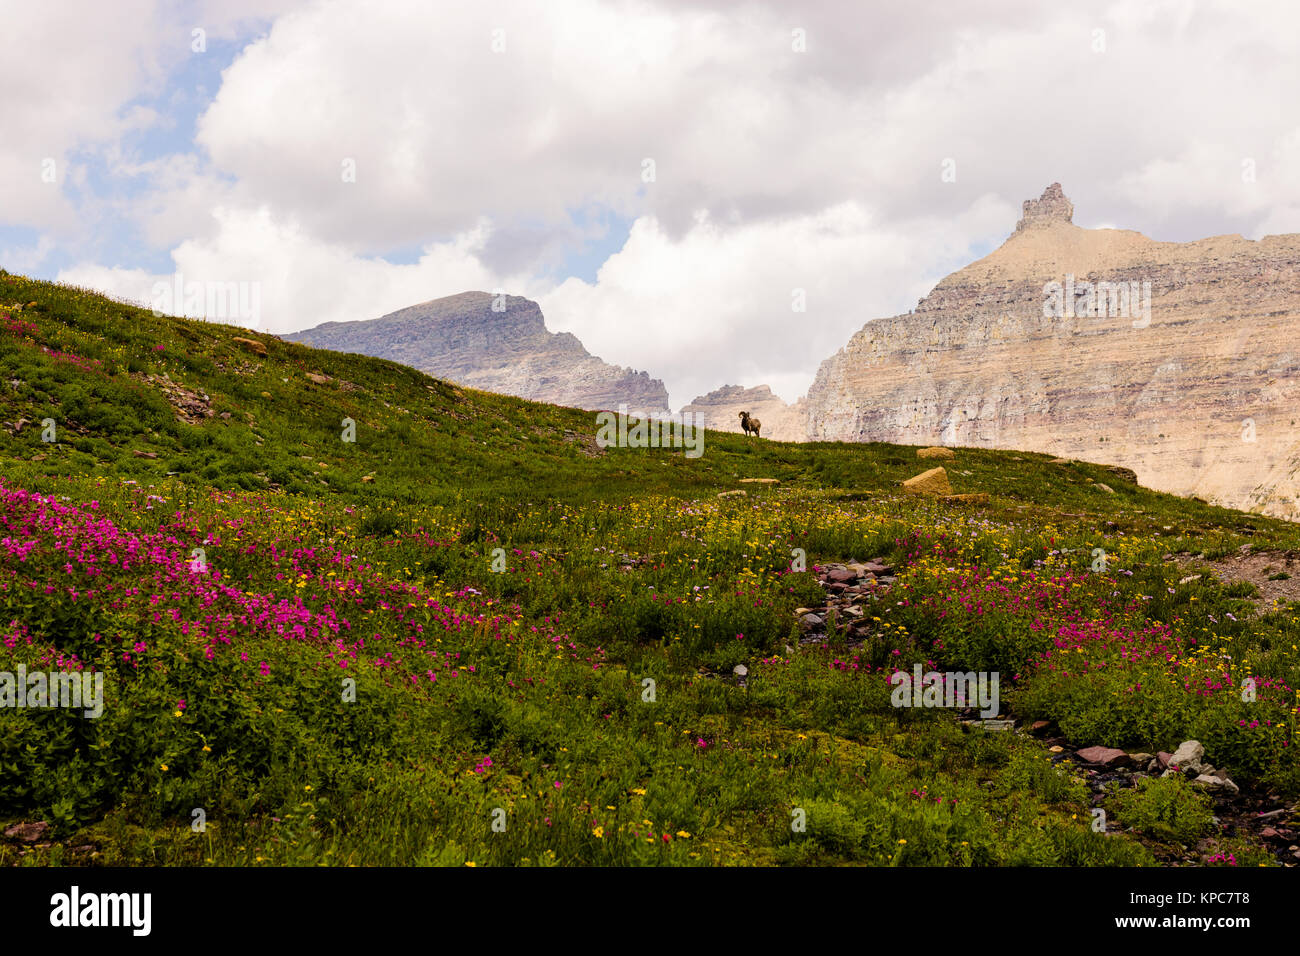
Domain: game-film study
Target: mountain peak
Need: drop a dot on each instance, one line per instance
(1052, 206)
(497, 343)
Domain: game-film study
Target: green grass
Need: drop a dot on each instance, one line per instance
(619, 568)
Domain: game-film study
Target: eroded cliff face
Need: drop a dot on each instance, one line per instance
(460, 338)
(720, 409)
(1199, 394)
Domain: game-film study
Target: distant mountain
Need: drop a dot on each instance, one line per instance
(721, 409)
(1178, 360)
(462, 339)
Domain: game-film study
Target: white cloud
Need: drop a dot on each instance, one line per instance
(775, 169)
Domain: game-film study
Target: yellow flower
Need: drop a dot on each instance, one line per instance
(901, 842)
(164, 766)
(598, 832)
(683, 834)
(470, 863)
(308, 787)
(176, 714)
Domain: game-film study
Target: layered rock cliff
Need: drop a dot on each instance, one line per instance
(1193, 382)
(462, 339)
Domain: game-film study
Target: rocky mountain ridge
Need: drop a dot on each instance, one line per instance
(1178, 360)
(497, 343)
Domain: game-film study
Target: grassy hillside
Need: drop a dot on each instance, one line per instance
(432, 644)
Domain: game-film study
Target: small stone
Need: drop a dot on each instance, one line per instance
(841, 576)
(1038, 725)
(318, 379)
(1105, 487)
(812, 620)
(760, 481)
(740, 670)
(1055, 750)
(738, 493)
(1141, 759)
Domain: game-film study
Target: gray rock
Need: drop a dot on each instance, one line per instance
(1188, 756)
(1219, 782)
(740, 670)
(812, 620)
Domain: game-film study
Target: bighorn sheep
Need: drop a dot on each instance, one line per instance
(748, 424)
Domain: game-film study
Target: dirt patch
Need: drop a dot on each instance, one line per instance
(1275, 573)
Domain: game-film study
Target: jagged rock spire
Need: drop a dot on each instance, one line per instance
(1052, 206)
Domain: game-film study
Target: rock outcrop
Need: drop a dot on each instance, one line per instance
(1180, 361)
(462, 339)
(721, 408)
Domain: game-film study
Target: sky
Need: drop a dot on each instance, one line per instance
(714, 192)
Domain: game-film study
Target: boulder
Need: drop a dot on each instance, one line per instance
(1216, 782)
(1188, 756)
(938, 452)
(760, 481)
(318, 379)
(933, 482)
(252, 345)
(1105, 756)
